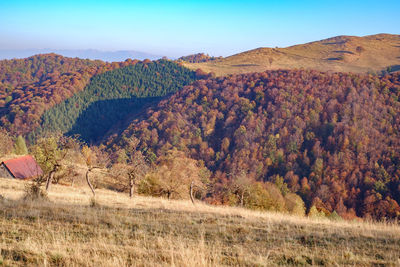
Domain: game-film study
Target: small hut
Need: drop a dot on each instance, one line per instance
(24, 168)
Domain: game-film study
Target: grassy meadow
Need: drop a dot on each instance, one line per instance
(72, 229)
(372, 53)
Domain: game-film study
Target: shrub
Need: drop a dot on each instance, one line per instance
(278, 202)
(264, 197)
(34, 191)
(294, 204)
(258, 198)
(334, 216)
(314, 213)
(150, 185)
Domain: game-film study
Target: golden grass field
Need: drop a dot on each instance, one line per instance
(67, 230)
(339, 54)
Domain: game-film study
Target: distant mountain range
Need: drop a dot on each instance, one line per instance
(109, 56)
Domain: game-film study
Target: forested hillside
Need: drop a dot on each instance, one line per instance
(331, 138)
(111, 96)
(30, 86)
(334, 139)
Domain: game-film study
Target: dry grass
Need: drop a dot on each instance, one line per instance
(144, 231)
(334, 54)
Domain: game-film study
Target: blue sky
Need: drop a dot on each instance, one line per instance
(175, 28)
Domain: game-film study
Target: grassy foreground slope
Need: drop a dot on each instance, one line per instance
(372, 53)
(67, 231)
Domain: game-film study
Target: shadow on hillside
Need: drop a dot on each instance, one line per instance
(395, 67)
(392, 68)
(100, 117)
(335, 43)
(3, 111)
(344, 52)
(246, 65)
(333, 58)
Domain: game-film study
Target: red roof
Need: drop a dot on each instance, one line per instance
(24, 167)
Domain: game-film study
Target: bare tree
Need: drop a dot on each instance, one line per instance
(240, 186)
(95, 158)
(131, 165)
(191, 191)
(131, 171)
(179, 176)
(270, 60)
(6, 142)
(137, 168)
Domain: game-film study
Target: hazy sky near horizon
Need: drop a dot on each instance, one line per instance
(175, 28)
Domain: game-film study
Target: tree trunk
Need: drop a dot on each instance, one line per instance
(131, 186)
(50, 179)
(191, 192)
(241, 198)
(89, 183)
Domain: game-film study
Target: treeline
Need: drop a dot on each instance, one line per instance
(173, 175)
(30, 86)
(331, 138)
(198, 58)
(111, 96)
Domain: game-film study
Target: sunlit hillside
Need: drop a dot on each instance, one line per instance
(373, 53)
(70, 229)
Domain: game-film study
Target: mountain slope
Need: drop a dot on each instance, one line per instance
(372, 53)
(28, 87)
(111, 96)
(334, 139)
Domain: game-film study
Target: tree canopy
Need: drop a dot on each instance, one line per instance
(333, 137)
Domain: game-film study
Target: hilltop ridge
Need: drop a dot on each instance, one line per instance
(372, 53)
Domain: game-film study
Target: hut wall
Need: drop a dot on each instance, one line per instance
(4, 173)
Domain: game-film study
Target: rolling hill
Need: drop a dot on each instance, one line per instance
(332, 138)
(111, 96)
(373, 53)
(30, 86)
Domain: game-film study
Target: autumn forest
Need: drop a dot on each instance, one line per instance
(298, 141)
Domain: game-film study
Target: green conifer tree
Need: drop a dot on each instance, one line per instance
(20, 146)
